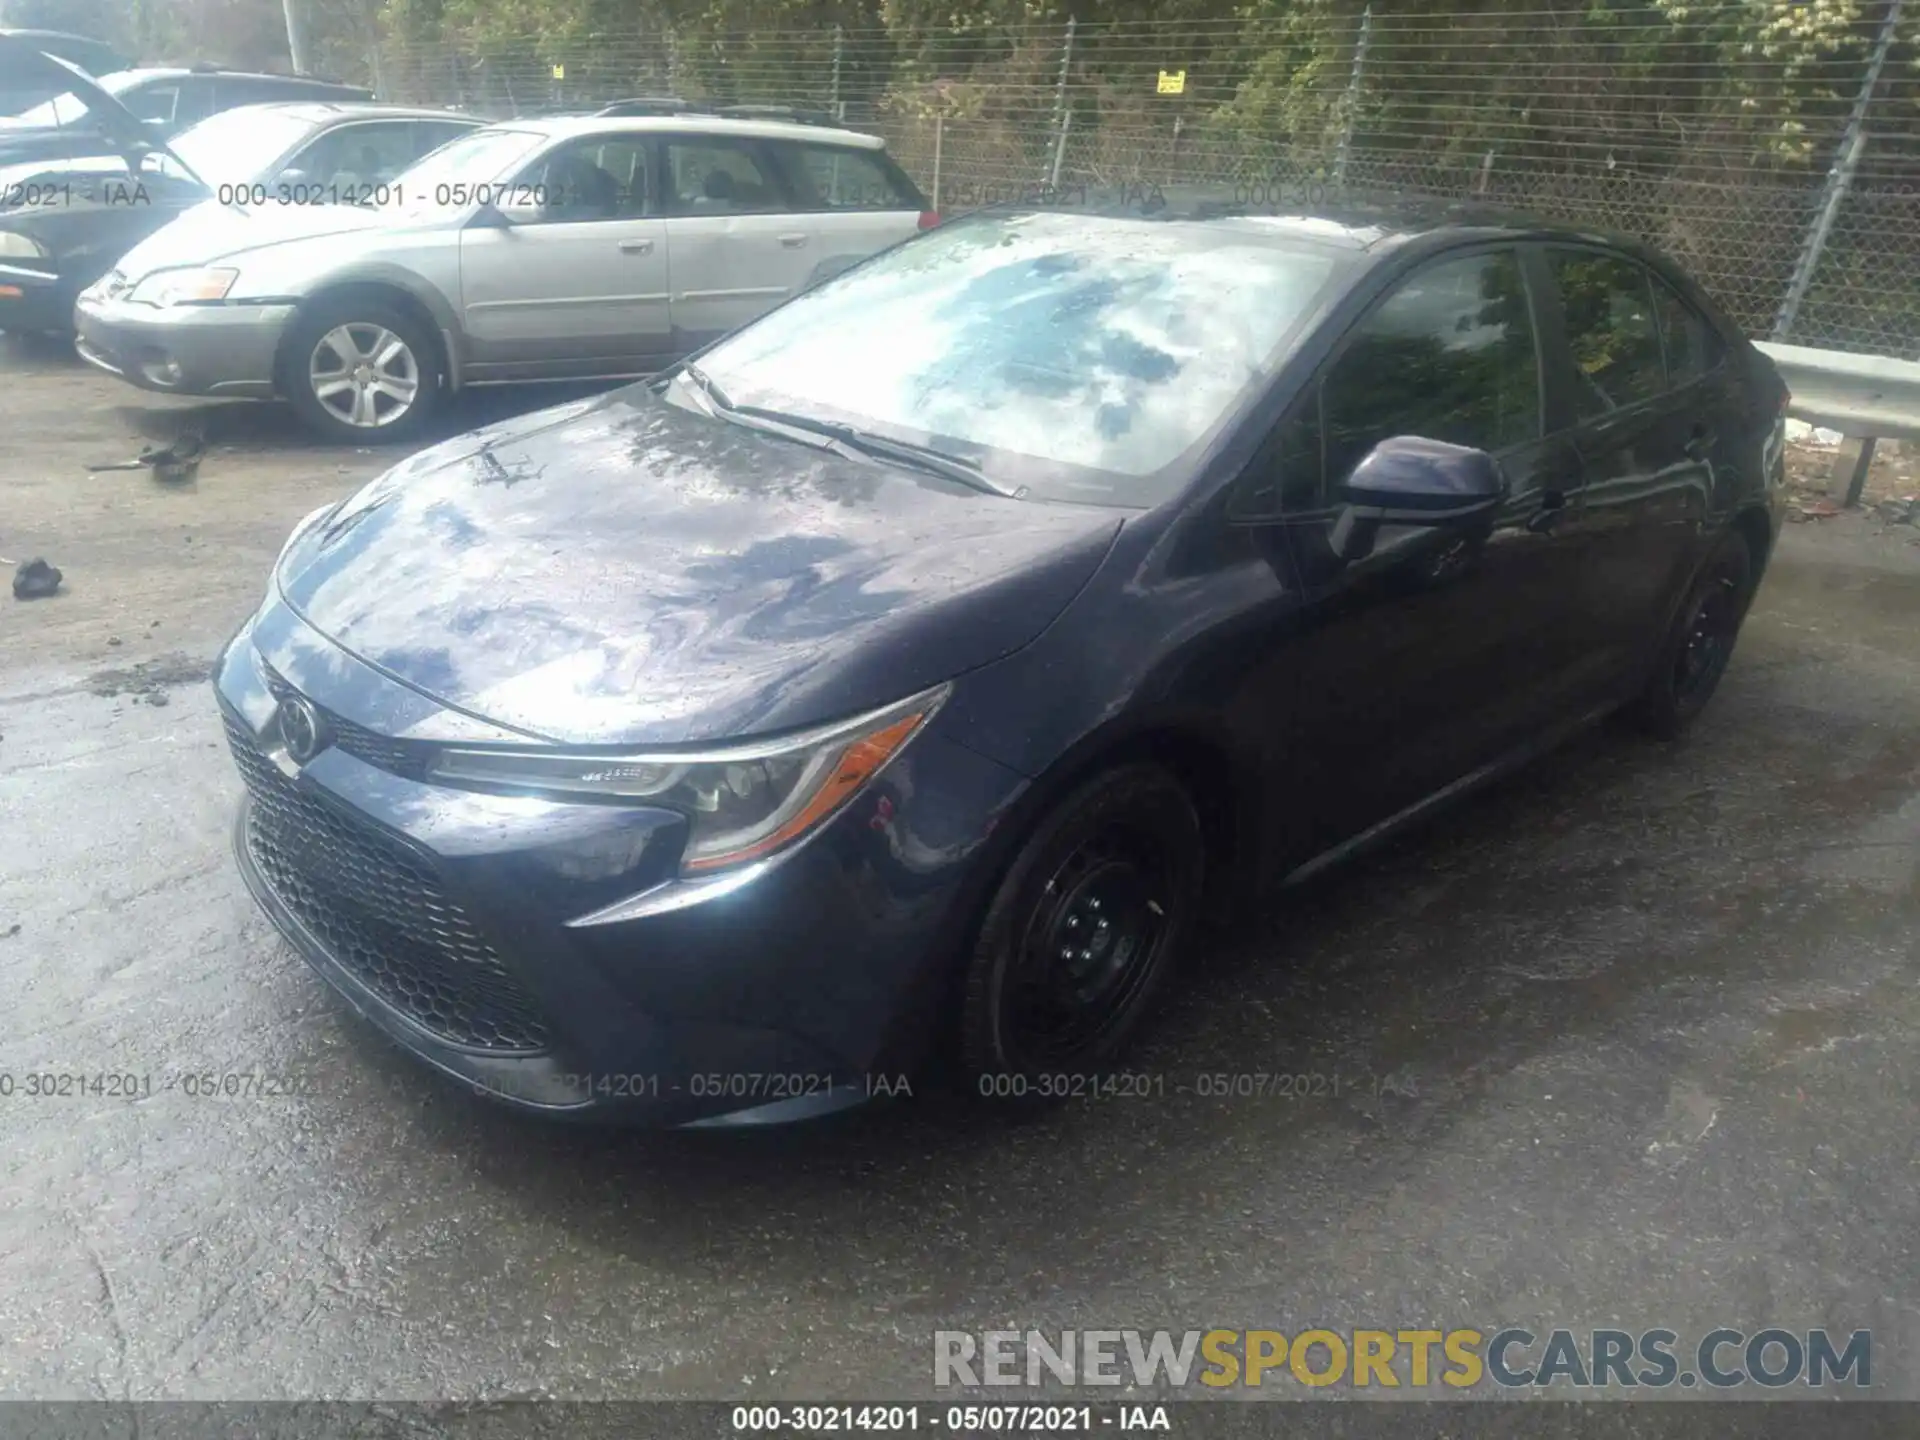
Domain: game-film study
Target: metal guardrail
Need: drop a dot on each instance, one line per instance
(1867, 398)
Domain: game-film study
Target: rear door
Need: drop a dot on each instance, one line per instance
(1647, 433)
(735, 246)
(580, 291)
(855, 200)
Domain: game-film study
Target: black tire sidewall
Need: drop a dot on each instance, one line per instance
(327, 314)
(1146, 794)
(1661, 710)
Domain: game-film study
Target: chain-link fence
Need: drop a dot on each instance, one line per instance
(1773, 146)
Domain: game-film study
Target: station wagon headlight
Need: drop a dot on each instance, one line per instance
(184, 287)
(15, 246)
(743, 802)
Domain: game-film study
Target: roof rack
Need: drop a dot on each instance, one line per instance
(673, 105)
(202, 67)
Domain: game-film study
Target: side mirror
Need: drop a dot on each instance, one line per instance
(293, 175)
(1409, 480)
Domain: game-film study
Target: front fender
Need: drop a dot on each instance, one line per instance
(383, 275)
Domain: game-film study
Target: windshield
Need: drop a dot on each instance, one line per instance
(454, 177)
(239, 146)
(69, 108)
(1079, 357)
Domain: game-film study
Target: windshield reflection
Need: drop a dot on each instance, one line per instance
(1103, 349)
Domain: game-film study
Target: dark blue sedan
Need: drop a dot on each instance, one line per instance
(901, 679)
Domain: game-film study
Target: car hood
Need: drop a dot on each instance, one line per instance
(211, 232)
(21, 64)
(622, 571)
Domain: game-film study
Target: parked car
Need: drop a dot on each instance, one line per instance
(166, 99)
(21, 91)
(568, 248)
(914, 669)
(63, 224)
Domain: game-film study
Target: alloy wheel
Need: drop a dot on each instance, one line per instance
(364, 375)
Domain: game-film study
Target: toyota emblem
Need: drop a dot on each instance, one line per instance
(300, 729)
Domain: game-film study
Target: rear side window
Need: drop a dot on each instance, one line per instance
(1449, 355)
(1689, 343)
(835, 177)
(1610, 328)
(717, 177)
(157, 101)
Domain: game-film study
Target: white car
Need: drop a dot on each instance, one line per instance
(566, 248)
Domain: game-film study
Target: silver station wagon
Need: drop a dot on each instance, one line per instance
(564, 248)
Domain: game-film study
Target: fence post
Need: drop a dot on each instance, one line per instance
(1839, 180)
(1350, 104)
(939, 134)
(1060, 114)
(833, 102)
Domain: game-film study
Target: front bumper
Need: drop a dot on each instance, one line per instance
(185, 349)
(450, 919)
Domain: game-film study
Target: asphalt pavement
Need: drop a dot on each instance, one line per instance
(1628, 1041)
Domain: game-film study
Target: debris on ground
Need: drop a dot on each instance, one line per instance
(150, 677)
(35, 580)
(157, 698)
(170, 464)
(1903, 510)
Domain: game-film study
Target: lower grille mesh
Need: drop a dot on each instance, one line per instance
(381, 914)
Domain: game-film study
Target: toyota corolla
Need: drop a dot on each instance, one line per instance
(907, 676)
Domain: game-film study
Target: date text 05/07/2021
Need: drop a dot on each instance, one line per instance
(971, 1419)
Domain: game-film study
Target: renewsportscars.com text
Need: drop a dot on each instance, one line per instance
(1417, 1358)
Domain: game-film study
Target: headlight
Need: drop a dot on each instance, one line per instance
(15, 246)
(744, 802)
(184, 287)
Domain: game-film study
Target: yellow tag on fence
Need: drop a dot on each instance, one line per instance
(559, 72)
(1173, 82)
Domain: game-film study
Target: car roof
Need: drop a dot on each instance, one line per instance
(1341, 218)
(175, 72)
(561, 127)
(319, 112)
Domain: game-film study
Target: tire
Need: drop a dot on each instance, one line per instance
(316, 346)
(1119, 862)
(1695, 652)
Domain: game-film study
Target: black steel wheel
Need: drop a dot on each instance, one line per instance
(1080, 936)
(1697, 649)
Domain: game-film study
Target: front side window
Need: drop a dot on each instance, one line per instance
(354, 155)
(1082, 357)
(601, 178)
(1450, 355)
(715, 177)
(1610, 327)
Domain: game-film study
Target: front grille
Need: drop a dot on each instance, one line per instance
(383, 752)
(381, 914)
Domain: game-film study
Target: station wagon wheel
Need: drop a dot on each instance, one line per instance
(1080, 935)
(361, 370)
(365, 374)
(1696, 650)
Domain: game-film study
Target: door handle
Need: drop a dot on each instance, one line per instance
(793, 242)
(636, 247)
(1700, 444)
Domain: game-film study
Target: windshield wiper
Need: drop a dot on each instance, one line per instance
(851, 437)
